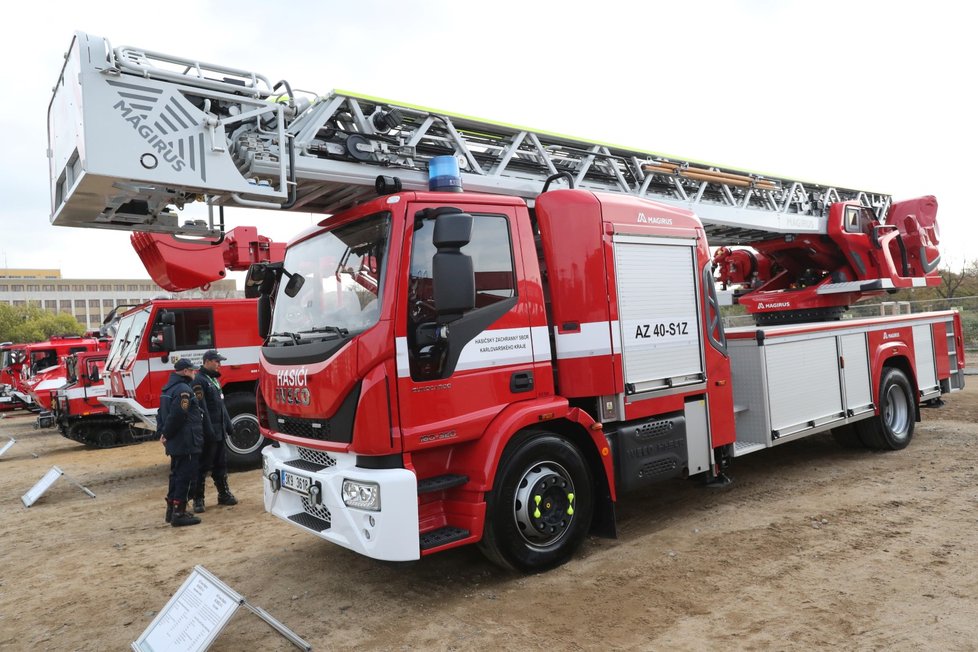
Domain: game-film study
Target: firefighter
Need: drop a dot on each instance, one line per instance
(183, 428)
(213, 460)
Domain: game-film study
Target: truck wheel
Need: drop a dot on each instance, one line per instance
(244, 446)
(540, 507)
(893, 428)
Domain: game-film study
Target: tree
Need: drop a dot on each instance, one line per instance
(32, 324)
(955, 281)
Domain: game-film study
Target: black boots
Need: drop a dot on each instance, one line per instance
(181, 517)
(224, 495)
(169, 511)
(199, 500)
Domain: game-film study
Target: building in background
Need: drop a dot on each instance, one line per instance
(90, 300)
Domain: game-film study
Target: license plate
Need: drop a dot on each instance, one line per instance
(297, 483)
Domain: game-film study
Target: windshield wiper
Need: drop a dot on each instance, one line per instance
(342, 332)
(293, 336)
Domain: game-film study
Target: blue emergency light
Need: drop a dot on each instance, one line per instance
(443, 174)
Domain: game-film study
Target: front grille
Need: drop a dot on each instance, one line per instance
(322, 458)
(337, 428)
(299, 427)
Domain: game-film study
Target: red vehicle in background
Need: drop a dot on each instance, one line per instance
(40, 367)
(151, 337)
(77, 410)
(8, 371)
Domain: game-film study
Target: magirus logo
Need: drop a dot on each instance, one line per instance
(646, 219)
(776, 304)
(172, 135)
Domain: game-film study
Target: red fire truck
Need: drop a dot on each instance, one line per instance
(76, 409)
(498, 366)
(41, 367)
(151, 337)
(8, 371)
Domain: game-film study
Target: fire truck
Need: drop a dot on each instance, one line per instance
(76, 409)
(38, 367)
(8, 371)
(150, 337)
(497, 366)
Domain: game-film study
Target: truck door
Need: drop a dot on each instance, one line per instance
(451, 386)
(194, 331)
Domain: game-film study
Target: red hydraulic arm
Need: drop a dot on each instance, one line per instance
(178, 264)
(805, 277)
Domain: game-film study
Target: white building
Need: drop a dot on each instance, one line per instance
(89, 300)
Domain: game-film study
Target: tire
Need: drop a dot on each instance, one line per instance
(847, 436)
(244, 446)
(540, 506)
(893, 428)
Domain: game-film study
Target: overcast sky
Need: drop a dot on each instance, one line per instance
(878, 95)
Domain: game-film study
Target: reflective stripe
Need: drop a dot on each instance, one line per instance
(594, 338)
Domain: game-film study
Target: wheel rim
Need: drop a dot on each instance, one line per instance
(543, 506)
(245, 437)
(896, 413)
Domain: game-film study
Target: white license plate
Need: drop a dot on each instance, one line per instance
(297, 483)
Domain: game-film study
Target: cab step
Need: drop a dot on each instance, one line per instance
(441, 536)
(441, 482)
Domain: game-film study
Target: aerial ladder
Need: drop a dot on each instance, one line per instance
(135, 136)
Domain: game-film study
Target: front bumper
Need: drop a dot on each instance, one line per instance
(390, 534)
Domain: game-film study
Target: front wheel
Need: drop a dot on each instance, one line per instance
(893, 428)
(245, 443)
(540, 507)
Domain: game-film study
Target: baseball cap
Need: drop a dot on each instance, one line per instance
(213, 355)
(182, 363)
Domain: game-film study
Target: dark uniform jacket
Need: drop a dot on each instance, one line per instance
(181, 417)
(214, 403)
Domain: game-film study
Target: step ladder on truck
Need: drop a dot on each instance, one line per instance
(497, 365)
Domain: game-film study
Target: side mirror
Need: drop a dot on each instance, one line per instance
(453, 276)
(169, 337)
(264, 315)
(167, 317)
(294, 285)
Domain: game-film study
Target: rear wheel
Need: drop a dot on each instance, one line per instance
(893, 428)
(245, 443)
(540, 507)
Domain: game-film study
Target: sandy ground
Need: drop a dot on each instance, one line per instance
(811, 546)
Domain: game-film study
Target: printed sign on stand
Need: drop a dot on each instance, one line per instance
(42, 485)
(197, 613)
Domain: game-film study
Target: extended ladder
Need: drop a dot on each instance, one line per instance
(151, 131)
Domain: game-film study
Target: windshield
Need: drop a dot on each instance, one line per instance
(343, 271)
(124, 346)
(4, 359)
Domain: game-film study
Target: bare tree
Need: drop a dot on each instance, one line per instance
(953, 281)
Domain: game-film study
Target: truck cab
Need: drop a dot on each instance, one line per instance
(433, 331)
(152, 336)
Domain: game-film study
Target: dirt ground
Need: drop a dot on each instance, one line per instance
(811, 546)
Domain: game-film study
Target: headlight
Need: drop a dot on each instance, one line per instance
(362, 495)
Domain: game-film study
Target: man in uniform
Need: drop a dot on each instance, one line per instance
(183, 427)
(213, 460)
